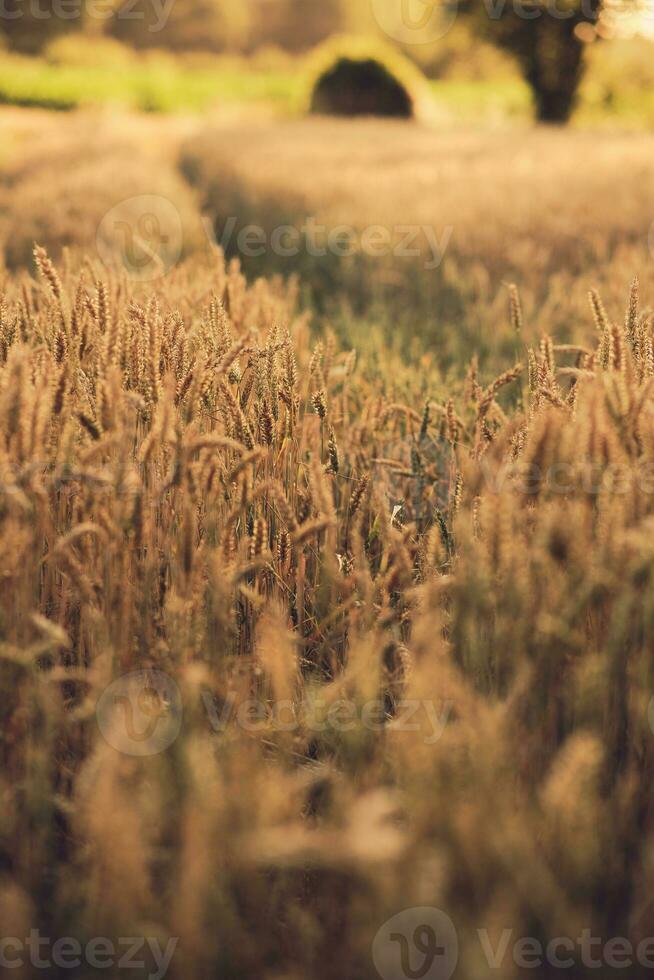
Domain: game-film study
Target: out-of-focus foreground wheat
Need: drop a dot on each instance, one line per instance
(188, 485)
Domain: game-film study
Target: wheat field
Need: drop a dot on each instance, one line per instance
(295, 642)
(559, 212)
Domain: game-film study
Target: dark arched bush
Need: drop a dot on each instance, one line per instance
(354, 76)
(365, 87)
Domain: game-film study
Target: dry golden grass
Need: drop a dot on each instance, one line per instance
(60, 176)
(190, 485)
(557, 211)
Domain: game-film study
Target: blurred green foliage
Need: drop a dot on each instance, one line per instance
(546, 40)
(182, 25)
(154, 85)
(618, 85)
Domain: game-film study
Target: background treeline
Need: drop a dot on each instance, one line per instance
(546, 45)
(208, 25)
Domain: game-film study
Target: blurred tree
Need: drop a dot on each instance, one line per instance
(546, 37)
(225, 25)
(183, 25)
(295, 25)
(28, 27)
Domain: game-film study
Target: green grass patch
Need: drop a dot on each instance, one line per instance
(163, 83)
(147, 86)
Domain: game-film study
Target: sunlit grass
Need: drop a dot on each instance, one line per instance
(312, 485)
(163, 84)
(148, 86)
(468, 100)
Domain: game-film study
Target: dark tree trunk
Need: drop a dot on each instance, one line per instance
(541, 36)
(554, 69)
